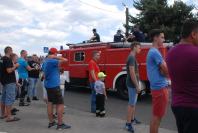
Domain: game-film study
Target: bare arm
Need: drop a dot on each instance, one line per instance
(42, 76)
(12, 69)
(105, 93)
(133, 78)
(164, 69)
(29, 68)
(61, 59)
(93, 75)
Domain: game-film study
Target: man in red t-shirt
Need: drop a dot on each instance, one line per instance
(93, 72)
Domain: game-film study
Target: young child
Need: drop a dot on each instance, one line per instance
(100, 95)
(43, 88)
(62, 82)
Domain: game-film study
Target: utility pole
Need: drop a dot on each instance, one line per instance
(127, 22)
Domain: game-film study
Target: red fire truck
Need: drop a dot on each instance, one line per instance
(112, 63)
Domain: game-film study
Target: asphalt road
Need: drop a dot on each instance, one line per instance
(79, 98)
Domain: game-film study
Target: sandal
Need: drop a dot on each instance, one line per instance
(13, 119)
(3, 117)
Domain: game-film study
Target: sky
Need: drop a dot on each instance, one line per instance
(34, 24)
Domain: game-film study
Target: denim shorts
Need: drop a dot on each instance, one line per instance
(8, 94)
(132, 96)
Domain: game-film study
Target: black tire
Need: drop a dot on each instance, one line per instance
(121, 88)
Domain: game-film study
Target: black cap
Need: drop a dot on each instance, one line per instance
(94, 30)
(118, 30)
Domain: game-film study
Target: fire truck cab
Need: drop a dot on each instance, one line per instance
(112, 62)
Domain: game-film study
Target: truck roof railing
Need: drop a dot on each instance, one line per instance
(128, 44)
(84, 44)
(112, 44)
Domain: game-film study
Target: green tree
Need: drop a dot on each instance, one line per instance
(158, 14)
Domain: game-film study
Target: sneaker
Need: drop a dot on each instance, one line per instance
(23, 104)
(102, 114)
(13, 113)
(15, 110)
(129, 127)
(28, 100)
(17, 97)
(52, 124)
(97, 113)
(63, 126)
(35, 98)
(135, 121)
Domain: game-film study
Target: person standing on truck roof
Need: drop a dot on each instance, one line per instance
(157, 74)
(93, 72)
(118, 37)
(138, 34)
(132, 83)
(95, 37)
(183, 69)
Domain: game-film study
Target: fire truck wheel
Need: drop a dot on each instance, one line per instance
(121, 88)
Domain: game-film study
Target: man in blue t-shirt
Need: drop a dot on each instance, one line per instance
(157, 73)
(23, 76)
(52, 84)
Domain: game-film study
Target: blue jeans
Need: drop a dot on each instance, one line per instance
(32, 91)
(8, 94)
(93, 98)
(23, 89)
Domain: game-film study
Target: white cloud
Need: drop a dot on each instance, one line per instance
(171, 2)
(32, 24)
(44, 33)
